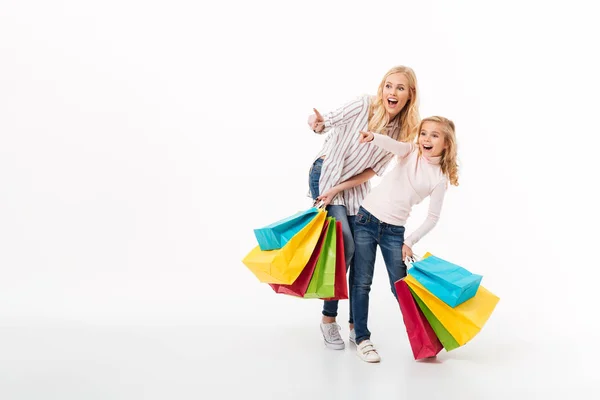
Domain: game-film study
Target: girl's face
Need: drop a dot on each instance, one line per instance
(395, 93)
(431, 139)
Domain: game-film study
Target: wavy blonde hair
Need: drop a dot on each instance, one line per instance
(409, 115)
(449, 155)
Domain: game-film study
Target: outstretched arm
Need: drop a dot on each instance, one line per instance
(435, 208)
(401, 149)
(343, 115)
(356, 180)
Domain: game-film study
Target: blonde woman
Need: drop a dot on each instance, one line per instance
(340, 173)
(424, 170)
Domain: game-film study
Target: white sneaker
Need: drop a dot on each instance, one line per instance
(332, 337)
(367, 352)
(352, 336)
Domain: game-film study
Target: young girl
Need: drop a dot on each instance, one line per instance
(423, 170)
(341, 170)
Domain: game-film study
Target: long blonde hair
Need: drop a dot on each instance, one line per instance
(409, 115)
(450, 154)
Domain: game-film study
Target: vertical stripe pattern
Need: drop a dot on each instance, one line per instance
(345, 157)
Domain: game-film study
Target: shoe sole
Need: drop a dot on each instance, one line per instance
(367, 361)
(334, 346)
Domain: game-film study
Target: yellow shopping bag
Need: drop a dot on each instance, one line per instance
(464, 321)
(283, 265)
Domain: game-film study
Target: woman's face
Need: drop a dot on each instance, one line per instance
(395, 93)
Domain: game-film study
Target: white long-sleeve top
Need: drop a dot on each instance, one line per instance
(414, 178)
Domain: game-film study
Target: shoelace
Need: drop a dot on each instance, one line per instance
(334, 331)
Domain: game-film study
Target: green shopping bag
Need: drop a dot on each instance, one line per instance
(322, 283)
(442, 333)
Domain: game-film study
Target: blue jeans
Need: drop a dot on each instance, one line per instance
(368, 233)
(338, 212)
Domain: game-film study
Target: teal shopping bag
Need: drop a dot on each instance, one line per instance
(277, 234)
(449, 282)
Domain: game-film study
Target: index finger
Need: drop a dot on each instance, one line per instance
(318, 114)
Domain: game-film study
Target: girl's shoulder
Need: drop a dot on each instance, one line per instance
(443, 180)
(411, 154)
(414, 151)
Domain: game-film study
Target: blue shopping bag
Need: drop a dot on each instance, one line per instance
(277, 234)
(449, 282)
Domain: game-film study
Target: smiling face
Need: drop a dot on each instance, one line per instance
(395, 93)
(431, 139)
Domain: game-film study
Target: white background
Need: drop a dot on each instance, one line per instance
(141, 142)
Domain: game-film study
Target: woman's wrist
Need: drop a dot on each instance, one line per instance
(338, 188)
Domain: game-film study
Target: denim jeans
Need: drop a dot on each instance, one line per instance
(368, 233)
(338, 212)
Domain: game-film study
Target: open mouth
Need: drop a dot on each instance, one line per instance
(427, 147)
(392, 102)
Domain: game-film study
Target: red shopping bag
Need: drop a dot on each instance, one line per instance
(422, 338)
(341, 283)
(298, 288)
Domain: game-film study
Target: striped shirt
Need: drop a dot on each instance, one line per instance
(346, 157)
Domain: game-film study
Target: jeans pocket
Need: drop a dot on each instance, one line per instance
(315, 168)
(360, 219)
(397, 230)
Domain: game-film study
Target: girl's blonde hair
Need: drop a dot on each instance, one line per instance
(409, 116)
(449, 155)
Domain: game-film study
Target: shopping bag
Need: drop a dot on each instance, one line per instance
(449, 282)
(298, 288)
(442, 333)
(422, 338)
(464, 321)
(322, 283)
(277, 234)
(341, 283)
(284, 265)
